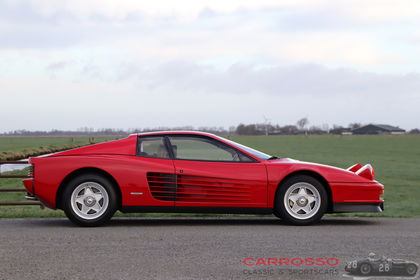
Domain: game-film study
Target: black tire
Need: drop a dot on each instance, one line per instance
(411, 269)
(365, 269)
(99, 187)
(311, 186)
(275, 213)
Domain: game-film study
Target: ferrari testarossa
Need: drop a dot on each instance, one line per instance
(180, 171)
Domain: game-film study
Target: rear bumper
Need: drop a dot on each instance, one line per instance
(347, 207)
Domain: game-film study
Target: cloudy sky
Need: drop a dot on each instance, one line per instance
(134, 64)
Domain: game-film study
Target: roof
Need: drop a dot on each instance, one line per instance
(388, 127)
(383, 127)
(173, 132)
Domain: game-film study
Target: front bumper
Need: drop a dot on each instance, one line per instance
(348, 207)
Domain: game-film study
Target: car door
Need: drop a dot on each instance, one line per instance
(155, 173)
(213, 174)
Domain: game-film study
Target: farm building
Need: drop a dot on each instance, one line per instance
(378, 129)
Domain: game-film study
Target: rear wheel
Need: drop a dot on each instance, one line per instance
(301, 200)
(89, 200)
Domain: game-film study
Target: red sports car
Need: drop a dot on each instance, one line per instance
(180, 171)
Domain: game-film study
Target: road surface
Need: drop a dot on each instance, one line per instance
(198, 248)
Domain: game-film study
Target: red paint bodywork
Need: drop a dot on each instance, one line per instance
(198, 183)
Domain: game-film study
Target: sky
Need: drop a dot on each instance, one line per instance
(136, 64)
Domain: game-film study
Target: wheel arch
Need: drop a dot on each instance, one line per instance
(86, 170)
(315, 175)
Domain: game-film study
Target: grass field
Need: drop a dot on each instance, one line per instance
(20, 147)
(395, 158)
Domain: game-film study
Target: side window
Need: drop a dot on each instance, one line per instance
(152, 147)
(198, 148)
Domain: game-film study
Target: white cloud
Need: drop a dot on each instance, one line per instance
(337, 48)
(327, 33)
(181, 93)
(182, 9)
(117, 61)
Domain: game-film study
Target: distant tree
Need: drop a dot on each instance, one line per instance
(243, 129)
(250, 129)
(354, 125)
(290, 129)
(337, 129)
(287, 129)
(302, 123)
(326, 127)
(316, 130)
(414, 131)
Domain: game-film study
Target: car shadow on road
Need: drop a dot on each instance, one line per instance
(207, 221)
(233, 221)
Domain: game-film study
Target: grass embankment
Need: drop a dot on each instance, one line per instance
(15, 148)
(396, 161)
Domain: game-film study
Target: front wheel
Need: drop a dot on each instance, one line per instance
(411, 269)
(89, 200)
(301, 200)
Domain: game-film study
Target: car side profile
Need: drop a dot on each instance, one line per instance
(182, 171)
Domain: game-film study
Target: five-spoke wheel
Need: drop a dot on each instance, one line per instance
(89, 200)
(301, 200)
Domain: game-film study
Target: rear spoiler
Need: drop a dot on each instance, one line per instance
(365, 171)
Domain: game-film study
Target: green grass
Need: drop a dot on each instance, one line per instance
(12, 148)
(396, 161)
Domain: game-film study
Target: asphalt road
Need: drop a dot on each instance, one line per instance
(196, 248)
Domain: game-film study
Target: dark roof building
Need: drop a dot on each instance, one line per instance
(378, 129)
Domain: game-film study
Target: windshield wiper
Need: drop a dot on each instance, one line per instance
(273, 157)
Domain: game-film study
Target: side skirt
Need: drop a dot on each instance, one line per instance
(204, 210)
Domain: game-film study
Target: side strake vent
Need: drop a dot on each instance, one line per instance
(162, 186)
(208, 189)
(170, 187)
